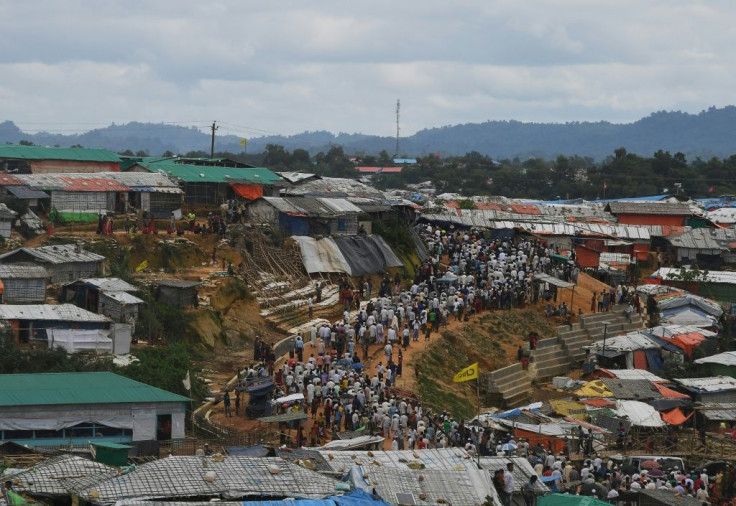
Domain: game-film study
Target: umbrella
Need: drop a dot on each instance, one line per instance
(509, 447)
(344, 362)
(629, 469)
(589, 489)
(357, 366)
(656, 472)
(650, 464)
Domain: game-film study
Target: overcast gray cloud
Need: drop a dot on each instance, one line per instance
(290, 66)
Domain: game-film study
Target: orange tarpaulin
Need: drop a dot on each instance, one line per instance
(669, 393)
(248, 191)
(640, 360)
(675, 416)
(550, 442)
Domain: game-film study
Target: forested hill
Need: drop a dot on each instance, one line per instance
(709, 133)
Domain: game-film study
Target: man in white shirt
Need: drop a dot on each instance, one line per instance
(508, 484)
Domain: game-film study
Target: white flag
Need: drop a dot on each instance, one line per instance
(187, 382)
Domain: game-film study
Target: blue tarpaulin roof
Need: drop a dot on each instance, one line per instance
(357, 497)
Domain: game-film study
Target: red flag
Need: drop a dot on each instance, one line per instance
(710, 190)
(437, 154)
(605, 185)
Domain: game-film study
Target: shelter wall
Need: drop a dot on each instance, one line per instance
(205, 193)
(262, 212)
(73, 270)
(6, 226)
(139, 417)
(115, 310)
(688, 255)
(83, 201)
(71, 166)
(651, 219)
(22, 290)
(346, 225)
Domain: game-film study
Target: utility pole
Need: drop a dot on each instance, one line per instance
(212, 143)
(398, 107)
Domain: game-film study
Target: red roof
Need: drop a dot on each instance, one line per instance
(93, 185)
(598, 402)
(10, 180)
(525, 209)
(488, 206)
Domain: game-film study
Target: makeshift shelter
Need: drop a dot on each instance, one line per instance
(40, 159)
(30, 321)
(153, 193)
(722, 364)
(226, 477)
(306, 215)
(178, 292)
(7, 217)
(213, 184)
(710, 390)
(76, 341)
(696, 246)
(108, 296)
(23, 283)
(355, 256)
(56, 409)
(628, 350)
(639, 414)
(56, 477)
(63, 262)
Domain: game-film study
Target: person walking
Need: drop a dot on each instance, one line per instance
(508, 484)
(528, 492)
(226, 402)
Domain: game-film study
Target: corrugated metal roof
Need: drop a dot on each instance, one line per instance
(20, 270)
(712, 384)
(58, 254)
(24, 192)
(9, 179)
(635, 389)
(81, 182)
(110, 284)
(49, 312)
(727, 277)
(676, 208)
(16, 152)
(212, 174)
(312, 206)
(635, 374)
(719, 411)
(6, 212)
(78, 388)
(123, 297)
(147, 180)
(696, 238)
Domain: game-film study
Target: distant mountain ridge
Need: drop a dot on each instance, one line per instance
(710, 133)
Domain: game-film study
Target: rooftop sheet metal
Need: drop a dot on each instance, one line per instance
(78, 388)
(9, 179)
(546, 278)
(123, 297)
(110, 284)
(634, 389)
(708, 385)
(49, 312)
(634, 374)
(719, 411)
(17, 152)
(24, 192)
(83, 182)
(58, 254)
(727, 358)
(235, 477)
(696, 238)
(669, 208)
(726, 277)
(312, 206)
(24, 271)
(212, 174)
(438, 459)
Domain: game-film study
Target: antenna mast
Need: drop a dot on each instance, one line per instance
(398, 108)
(214, 128)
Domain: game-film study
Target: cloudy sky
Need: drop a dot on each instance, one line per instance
(288, 66)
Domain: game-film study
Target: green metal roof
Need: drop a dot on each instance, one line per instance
(78, 388)
(17, 152)
(209, 174)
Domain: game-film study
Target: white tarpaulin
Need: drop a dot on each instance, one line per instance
(77, 340)
(727, 358)
(118, 422)
(321, 256)
(639, 414)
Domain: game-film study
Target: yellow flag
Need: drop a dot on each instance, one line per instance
(467, 374)
(243, 142)
(141, 266)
